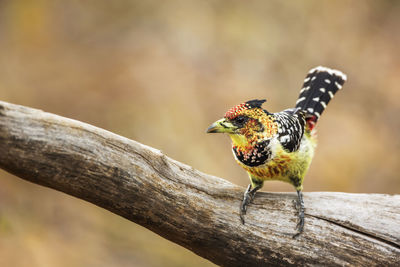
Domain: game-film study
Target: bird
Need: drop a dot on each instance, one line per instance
(279, 146)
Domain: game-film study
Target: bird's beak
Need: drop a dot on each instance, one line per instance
(221, 126)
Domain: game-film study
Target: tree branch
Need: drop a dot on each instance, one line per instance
(193, 209)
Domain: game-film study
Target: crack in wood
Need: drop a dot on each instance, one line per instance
(358, 231)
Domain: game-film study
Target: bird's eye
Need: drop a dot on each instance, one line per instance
(240, 119)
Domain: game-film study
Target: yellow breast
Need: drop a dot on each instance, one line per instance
(285, 166)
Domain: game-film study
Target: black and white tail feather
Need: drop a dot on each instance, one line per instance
(320, 85)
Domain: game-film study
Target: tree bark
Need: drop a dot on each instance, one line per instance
(193, 209)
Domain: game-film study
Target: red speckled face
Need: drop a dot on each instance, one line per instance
(236, 110)
(251, 121)
(246, 123)
(239, 109)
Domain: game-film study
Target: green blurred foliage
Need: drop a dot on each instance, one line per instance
(160, 72)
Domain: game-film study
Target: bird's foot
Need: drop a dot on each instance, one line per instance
(296, 204)
(300, 209)
(247, 199)
(245, 202)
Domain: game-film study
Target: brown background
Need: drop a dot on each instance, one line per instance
(160, 72)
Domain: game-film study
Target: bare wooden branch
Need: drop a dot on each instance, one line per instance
(193, 209)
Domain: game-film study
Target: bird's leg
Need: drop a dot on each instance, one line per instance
(247, 198)
(300, 209)
(245, 202)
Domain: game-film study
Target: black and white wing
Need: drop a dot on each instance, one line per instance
(290, 128)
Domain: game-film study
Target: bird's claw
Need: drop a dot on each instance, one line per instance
(300, 222)
(300, 208)
(245, 202)
(242, 213)
(243, 209)
(296, 204)
(299, 226)
(247, 198)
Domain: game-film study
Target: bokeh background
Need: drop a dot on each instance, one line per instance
(160, 72)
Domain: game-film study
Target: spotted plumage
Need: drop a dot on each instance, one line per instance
(320, 86)
(291, 124)
(279, 146)
(258, 155)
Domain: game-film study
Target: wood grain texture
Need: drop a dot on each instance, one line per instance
(193, 209)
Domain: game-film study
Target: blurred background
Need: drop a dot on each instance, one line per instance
(160, 72)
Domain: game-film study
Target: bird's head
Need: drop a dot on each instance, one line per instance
(246, 123)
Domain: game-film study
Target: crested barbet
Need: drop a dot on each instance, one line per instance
(279, 146)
